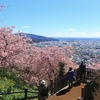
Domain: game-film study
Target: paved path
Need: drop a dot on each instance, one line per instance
(68, 94)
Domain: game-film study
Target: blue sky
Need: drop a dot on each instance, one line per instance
(53, 18)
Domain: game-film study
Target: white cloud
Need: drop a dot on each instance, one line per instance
(75, 33)
(25, 26)
(70, 30)
(57, 34)
(17, 31)
(73, 30)
(95, 34)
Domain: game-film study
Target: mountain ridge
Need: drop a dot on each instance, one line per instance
(38, 38)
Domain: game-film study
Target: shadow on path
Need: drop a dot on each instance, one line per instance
(77, 83)
(64, 91)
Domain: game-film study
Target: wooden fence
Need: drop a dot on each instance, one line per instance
(88, 89)
(87, 92)
(25, 91)
(59, 83)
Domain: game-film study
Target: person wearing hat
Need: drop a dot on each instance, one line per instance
(43, 90)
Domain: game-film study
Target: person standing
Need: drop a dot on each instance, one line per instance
(70, 77)
(82, 70)
(43, 90)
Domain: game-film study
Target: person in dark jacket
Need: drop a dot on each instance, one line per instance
(43, 94)
(82, 70)
(70, 77)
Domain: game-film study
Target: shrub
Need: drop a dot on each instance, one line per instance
(61, 69)
(10, 82)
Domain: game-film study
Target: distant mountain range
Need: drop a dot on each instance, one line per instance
(38, 38)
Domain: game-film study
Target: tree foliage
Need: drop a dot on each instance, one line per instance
(16, 53)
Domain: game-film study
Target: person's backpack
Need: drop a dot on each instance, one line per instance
(44, 92)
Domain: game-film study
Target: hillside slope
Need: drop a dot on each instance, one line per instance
(38, 38)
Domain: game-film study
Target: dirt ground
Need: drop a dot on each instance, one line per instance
(68, 94)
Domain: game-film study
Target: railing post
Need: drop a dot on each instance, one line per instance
(82, 93)
(75, 72)
(26, 94)
(51, 86)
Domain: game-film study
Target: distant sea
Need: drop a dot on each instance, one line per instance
(79, 39)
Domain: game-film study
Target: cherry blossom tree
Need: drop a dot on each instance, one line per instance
(43, 63)
(35, 63)
(11, 47)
